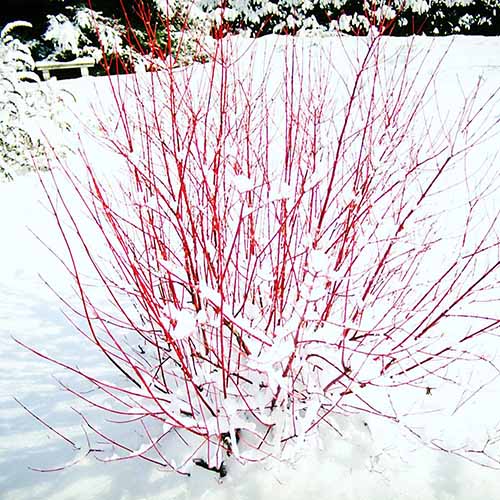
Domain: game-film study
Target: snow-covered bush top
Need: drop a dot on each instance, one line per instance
(84, 33)
(15, 56)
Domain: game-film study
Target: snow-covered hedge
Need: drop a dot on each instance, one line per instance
(447, 17)
(29, 110)
(403, 17)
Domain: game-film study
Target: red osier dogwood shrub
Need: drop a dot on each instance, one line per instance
(276, 250)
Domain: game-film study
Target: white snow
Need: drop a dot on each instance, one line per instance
(363, 457)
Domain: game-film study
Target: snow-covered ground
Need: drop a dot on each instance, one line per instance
(373, 461)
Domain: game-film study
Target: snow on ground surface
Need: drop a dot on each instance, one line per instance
(373, 460)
